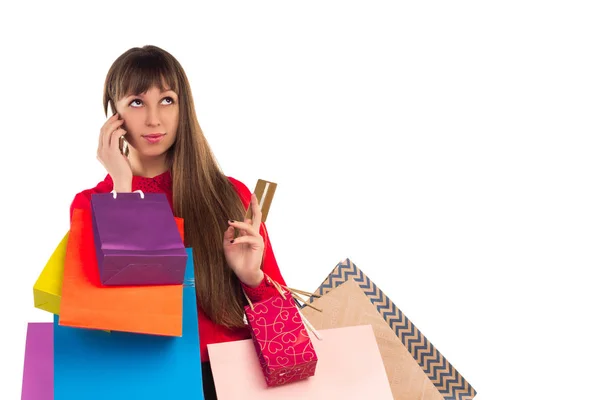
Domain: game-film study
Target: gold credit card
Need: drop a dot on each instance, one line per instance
(264, 191)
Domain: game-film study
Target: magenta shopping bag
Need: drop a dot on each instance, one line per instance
(38, 368)
(137, 241)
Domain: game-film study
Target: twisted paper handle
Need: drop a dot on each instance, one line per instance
(280, 288)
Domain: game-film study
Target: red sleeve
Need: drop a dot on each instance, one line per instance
(83, 199)
(269, 265)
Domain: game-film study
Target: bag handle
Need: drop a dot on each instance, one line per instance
(114, 193)
(280, 289)
(293, 292)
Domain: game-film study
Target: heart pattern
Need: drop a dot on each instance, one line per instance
(274, 347)
(260, 309)
(297, 318)
(289, 337)
(282, 360)
(278, 327)
(285, 351)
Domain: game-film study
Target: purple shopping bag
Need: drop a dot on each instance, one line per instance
(137, 241)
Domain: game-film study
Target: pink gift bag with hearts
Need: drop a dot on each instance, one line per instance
(281, 339)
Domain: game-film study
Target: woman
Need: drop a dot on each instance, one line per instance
(154, 143)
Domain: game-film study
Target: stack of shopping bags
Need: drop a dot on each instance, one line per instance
(368, 349)
(120, 284)
(125, 326)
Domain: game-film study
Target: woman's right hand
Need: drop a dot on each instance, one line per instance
(109, 154)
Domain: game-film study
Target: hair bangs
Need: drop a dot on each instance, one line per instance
(143, 71)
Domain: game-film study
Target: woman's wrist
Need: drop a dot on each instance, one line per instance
(122, 185)
(254, 280)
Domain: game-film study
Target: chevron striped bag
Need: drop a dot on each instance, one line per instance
(416, 370)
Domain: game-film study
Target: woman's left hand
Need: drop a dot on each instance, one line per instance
(244, 254)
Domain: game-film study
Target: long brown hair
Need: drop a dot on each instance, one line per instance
(202, 194)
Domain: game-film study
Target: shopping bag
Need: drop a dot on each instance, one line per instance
(38, 368)
(415, 368)
(136, 239)
(350, 367)
(95, 365)
(86, 303)
(283, 346)
(48, 287)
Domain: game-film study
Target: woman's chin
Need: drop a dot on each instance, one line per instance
(153, 153)
(150, 151)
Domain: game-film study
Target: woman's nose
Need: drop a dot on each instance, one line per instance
(152, 117)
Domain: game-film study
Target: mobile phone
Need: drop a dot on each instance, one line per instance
(123, 145)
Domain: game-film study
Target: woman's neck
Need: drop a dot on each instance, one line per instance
(148, 167)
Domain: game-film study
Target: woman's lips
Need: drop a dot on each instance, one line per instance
(154, 137)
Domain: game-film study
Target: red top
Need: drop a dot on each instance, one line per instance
(209, 331)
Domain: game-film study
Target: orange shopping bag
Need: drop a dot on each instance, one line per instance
(87, 304)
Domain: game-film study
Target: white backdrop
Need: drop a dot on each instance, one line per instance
(449, 149)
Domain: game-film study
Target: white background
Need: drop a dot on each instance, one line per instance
(449, 149)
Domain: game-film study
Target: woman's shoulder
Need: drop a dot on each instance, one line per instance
(104, 186)
(83, 198)
(241, 188)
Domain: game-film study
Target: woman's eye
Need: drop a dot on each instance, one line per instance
(138, 102)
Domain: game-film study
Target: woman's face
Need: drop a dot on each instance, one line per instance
(151, 120)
